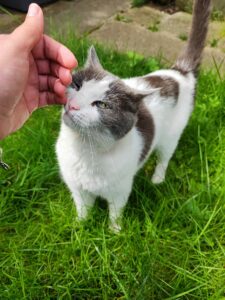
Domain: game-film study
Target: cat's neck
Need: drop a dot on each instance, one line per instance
(89, 143)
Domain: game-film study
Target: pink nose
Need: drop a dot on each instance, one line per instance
(74, 107)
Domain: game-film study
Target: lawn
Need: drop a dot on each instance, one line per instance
(172, 245)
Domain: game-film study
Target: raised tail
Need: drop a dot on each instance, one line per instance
(190, 59)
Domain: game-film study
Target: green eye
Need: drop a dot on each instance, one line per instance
(100, 104)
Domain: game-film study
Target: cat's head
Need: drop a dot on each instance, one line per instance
(100, 103)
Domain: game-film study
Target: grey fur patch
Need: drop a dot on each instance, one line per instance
(122, 115)
(180, 70)
(190, 59)
(88, 74)
(168, 86)
(145, 126)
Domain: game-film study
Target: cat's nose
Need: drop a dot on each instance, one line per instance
(74, 107)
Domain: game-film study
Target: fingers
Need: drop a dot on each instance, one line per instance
(54, 51)
(59, 53)
(46, 67)
(28, 34)
(49, 98)
(51, 84)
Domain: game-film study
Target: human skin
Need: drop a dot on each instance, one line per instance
(34, 71)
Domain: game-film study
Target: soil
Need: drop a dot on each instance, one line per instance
(169, 6)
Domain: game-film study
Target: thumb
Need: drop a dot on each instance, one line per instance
(28, 34)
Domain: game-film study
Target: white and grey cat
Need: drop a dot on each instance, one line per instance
(110, 126)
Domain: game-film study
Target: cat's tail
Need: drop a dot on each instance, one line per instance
(190, 59)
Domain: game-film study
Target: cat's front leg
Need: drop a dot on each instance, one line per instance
(84, 201)
(117, 204)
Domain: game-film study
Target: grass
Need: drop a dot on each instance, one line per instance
(172, 245)
(183, 37)
(154, 27)
(214, 43)
(137, 3)
(217, 15)
(122, 18)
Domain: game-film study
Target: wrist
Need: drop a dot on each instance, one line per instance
(5, 125)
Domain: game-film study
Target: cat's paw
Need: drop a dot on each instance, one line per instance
(157, 179)
(81, 216)
(115, 227)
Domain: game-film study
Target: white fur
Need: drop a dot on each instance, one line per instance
(169, 120)
(103, 167)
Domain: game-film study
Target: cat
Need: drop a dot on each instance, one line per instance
(110, 126)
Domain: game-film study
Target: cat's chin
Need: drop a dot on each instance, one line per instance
(68, 121)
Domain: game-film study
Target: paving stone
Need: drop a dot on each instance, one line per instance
(9, 22)
(145, 16)
(186, 5)
(216, 31)
(81, 16)
(178, 24)
(97, 18)
(212, 58)
(219, 5)
(221, 44)
(133, 37)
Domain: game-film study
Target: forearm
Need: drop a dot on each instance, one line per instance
(11, 122)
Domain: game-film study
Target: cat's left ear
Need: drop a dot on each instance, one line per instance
(93, 60)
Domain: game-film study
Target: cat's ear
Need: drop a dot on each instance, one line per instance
(93, 60)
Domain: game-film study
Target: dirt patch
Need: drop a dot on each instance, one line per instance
(165, 6)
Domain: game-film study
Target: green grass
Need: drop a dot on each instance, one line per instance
(183, 37)
(217, 15)
(137, 3)
(122, 18)
(154, 27)
(172, 245)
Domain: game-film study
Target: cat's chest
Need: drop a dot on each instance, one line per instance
(95, 173)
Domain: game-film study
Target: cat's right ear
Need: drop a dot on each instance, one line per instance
(93, 60)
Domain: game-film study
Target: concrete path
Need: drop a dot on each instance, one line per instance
(115, 24)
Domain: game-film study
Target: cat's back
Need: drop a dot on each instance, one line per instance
(168, 83)
(168, 104)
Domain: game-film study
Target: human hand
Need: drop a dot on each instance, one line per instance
(34, 71)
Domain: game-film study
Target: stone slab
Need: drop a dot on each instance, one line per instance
(214, 59)
(216, 31)
(219, 5)
(178, 24)
(221, 44)
(9, 22)
(82, 16)
(133, 37)
(186, 5)
(145, 16)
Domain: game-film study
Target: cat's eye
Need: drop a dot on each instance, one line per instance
(100, 104)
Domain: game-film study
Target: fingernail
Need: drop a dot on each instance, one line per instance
(33, 10)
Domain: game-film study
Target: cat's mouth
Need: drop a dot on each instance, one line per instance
(69, 112)
(69, 118)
